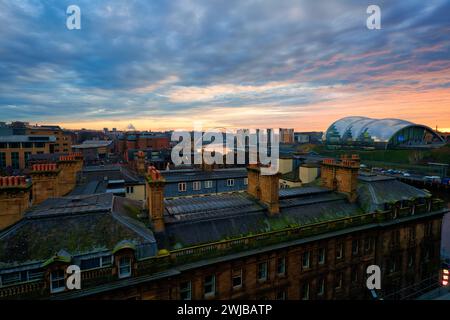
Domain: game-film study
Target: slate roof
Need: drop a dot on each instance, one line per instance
(375, 191)
(78, 225)
(93, 179)
(196, 220)
(202, 219)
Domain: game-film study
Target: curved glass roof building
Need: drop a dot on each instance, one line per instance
(385, 133)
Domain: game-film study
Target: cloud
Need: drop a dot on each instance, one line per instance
(162, 60)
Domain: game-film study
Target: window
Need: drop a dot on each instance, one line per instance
(321, 287)
(245, 181)
(338, 283)
(97, 262)
(322, 255)
(182, 187)
(92, 263)
(10, 278)
(14, 145)
(262, 271)
(27, 145)
(130, 189)
(306, 260)
(15, 160)
(428, 229)
(281, 266)
(411, 259)
(412, 233)
(23, 276)
(392, 263)
(124, 267)
(355, 247)
(340, 251)
(368, 245)
(186, 290)
(426, 255)
(281, 295)
(196, 185)
(305, 291)
(57, 283)
(2, 160)
(208, 184)
(230, 182)
(36, 274)
(209, 285)
(237, 279)
(27, 155)
(355, 274)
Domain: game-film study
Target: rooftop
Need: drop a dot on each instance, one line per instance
(210, 218)
(93, 144)
(78, 225)
(27, 138)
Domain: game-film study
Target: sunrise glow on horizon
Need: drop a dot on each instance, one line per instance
(300, 65)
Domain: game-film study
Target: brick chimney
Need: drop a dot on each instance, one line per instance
(341, 175)
(79, 160)
(265, 188)
(140, 162)
(45, 179)
(14, 199)
(155, 198)
(68, 177)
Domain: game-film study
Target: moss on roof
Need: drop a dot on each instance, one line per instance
(39, 239)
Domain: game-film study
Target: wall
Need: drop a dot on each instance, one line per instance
(138, 192)
(308, 174)
(220, 185)
(21, 151)
(285, 165)
(13, 203)
(352, 266)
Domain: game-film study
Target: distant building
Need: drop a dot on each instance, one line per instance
(286, 135)
(63, 138)
(15, 150)
(94, 150)
(142, 141)
(114, 179)
(381, 133)
(158, 158)
(308, 137)
(189, 182)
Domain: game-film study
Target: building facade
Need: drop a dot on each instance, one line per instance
(15, 150)
(266, 243)
(63, 139)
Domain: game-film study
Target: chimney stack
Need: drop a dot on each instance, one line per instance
(14, 199)
(341, 175)
(45, 179)
(265, 188)
(140, 162)
(79, 160)
(155, 198)
(68, 176)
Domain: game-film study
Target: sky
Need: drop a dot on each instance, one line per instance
(223, 63)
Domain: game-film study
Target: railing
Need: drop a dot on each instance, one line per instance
(23, 289)
(222, 247)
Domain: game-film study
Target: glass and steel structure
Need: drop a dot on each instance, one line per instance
(384, 133)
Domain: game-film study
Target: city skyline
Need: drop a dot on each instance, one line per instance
(159, 66)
